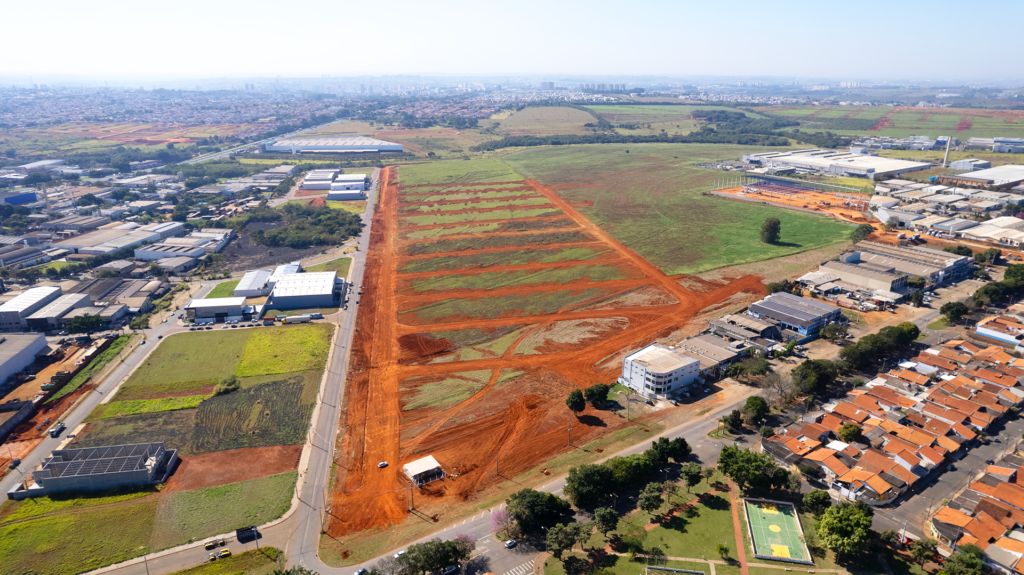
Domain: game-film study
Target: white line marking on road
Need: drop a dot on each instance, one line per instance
(521, 569)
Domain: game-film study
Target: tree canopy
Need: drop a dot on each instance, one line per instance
(597, 394)
(576, 402)
(845, 529)
(83, 324)
(747, 467)
(533, 509)
(434, 555)
(954, 310)
(771, 231)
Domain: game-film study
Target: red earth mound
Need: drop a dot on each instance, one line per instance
(223, 467)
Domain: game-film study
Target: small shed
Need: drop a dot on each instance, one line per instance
(423, 471)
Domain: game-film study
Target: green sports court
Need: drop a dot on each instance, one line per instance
(775, 531)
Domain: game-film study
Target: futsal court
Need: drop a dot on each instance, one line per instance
(775, 530)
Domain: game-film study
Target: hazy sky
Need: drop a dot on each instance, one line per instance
(861, 39)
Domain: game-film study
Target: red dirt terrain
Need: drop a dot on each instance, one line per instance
(514, 401)
(223, 467)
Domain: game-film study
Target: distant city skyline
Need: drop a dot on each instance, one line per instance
(119, 41)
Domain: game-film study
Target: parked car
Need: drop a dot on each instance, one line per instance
(211, 544)
(510, 543)
(362, 572)
(382, 464)
(399, 554)
(212, 557)
(224, 553)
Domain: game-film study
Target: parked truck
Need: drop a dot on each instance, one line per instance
(297, 319)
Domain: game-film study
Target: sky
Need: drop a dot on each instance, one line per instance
(933, 40)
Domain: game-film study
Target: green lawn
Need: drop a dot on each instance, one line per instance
(651, 200)
(12, 510)
(286, 349)
(941, 323)
(223, 289)
(618, 565)
(57, 265)
(137, 406)
(698, 531)
(457, 171)
(340, 265)
(262, 562)
(188, 515)
(350, 206)
(94, 367)
(76, 542)
(516, 305)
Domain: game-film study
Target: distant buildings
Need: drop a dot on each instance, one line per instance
(332, 145)
(1000, 176)
(836, 163)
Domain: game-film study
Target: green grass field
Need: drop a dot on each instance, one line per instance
(442, 246)
(187, 515)
(699, 531)
(187, 361)
(58, 265)
(651, 200)
(11, 510)
(499, 280)
(473, 205)
(223, 289)
(450, 389)
(457, 171)
(139, 406)
(260, 416)
(492, 227)
(76, 542)
(620, 565)
(286, 349)
(453, 196)
(775, 531)
(507, 258)
(172, 427)
(545, 121)
(340, 265)
(262, 562)
(517, 305)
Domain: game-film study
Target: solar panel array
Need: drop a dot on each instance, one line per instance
(101, 460)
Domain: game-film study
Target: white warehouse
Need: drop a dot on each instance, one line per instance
(333, 145)
(656, 370)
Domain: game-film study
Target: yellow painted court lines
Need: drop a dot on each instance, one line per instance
(769, 508)
(774, 528)
(780, 551)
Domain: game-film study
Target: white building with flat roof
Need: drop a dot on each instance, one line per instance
(255, 283)
(14, 313)
(306, 290)
(656, 370)
(837, 163)
(333, 145)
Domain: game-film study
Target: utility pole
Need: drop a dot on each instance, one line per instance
(570, 437)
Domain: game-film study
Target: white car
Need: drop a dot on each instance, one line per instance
(382, 464)
(399, 554)
(510, 543)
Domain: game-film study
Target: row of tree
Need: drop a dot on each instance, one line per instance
(888, 342)
(592, 484)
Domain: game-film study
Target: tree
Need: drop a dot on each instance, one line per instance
(300, 570)
(708, 473)
(746, 467)
(834, 332)
(860, 232)
(503, 525)
(959, 250)
(607, 519)
(597, 394)
(434, 555)
(910, 330)
(954, 310)
(784, 285)
(664, 449)
(11, 153)
(692, 475)
(968, 562)
(844, 529)
(771, 229)
(766, 431)
(630, 469)
(817, 501)
(650, 498)
(779, 386)
(916, 298)
(588, 484)
(723, 550)
(923, 550)
(756, 408)
(1014, 272)
(227, 385)
(815, 374)
(916, 282)
(559, 539)
(733, 422)
(532, 509)
(83, 324)
(889, 537)
(849, 433)
(576, 402)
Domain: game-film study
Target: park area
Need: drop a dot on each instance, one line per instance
(482, 312)
(236, 405)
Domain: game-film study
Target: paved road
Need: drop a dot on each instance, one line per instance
(225, 153)
(76, 417)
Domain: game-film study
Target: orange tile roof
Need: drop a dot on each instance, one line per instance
(869, 403)
(831, 422)
(930, 454)
(885, 394)
(878, 484)
(875, 462)
(993, 354)
(802, 446)
(850, 411)
(948, 443)
(994, 377)
(917, 418)
(953, 517)
(814, 430)
(903, 473)
(1010, 544)
(938, 427)
(985, 528)
(968, 540)
(954, 356)
(935, 361)
(909, 457)
(1008, 492)
(964, 431)
(851, 451)
(855, 474)
(997, 470)
(896, 445)
(912, 377)
(820, 454)
(1000, 511)
(916, 436)
(835, 466)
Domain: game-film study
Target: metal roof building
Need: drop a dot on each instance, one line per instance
(99, 468)
(52, 315)
(306, 290)
(161, 251)
(423, 471)
(18, 351)
(1008, 175)
(804, 316)
(333, 145)
(837, 163)
(255, 283)
(14, 313)
(935, 266)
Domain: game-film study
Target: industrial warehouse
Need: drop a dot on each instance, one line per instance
(835, 163)
(287, 287)
(332, 146)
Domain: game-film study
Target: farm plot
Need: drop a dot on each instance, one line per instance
(460, 194)
(496, 241)
(504, 279)
(505, 306)
(472, 205)
(441, 391)
(478, 215)
(467, 385)
(459, 345)
(491, 227)
(505, 258)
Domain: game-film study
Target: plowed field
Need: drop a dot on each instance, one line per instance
(463, 352)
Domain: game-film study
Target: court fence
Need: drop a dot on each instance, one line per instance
(799, 526)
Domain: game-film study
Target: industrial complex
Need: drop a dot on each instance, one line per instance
(331, 146)
(834, 163)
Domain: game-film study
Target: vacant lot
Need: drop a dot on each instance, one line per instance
(262, 562)
(172, 427)
(340, 265)
(138, 406)
(77, 542)
(224, 289)
(185, 515)
(545, 122)
(510, 192)
(186, 362)
(471, 216)
(492, 227)
(651, 200)
(12, 510)
(459, 345)
(471, 205)
(518, 305)
(499, 280)
(441, 391)
(286, 349)
(508, 258)
(453, 172)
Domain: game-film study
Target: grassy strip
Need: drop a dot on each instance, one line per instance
(137, 406)
(477, 216)
(442, 246)
(498, 280)
(260, 562)
(281, 350)
(517, 305)
(454, 388)
(12, 510)
(223, 289)
(509, 258)
(340, 265)
(512, 226)
(95, 366)
(480, 205)
(470, 171)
